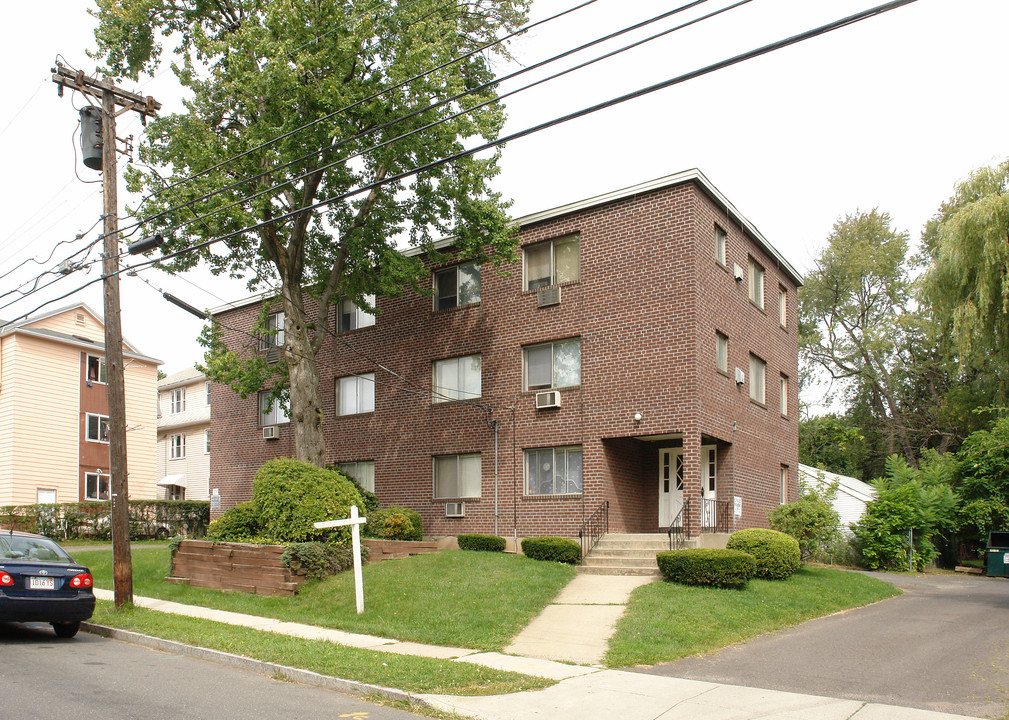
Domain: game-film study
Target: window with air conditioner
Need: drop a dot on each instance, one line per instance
(457, 379)
(351, 317)
(554, 471)
(551, 262)
(271, 411)
(553, 364)
(273, 332)
(457, 286)
(457, 476)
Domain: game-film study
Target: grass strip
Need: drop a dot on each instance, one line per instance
(404, 672)
(459, 598)
(666, 621)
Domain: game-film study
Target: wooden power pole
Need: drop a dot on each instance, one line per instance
(111, 97)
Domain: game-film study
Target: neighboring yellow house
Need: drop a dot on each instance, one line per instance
(184, 436)
(54, 411)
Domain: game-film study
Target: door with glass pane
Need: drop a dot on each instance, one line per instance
(670, 485)
(709, 455)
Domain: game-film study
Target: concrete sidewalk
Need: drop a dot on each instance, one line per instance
(583, 692)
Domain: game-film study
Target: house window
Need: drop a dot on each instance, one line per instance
(757, 369)
(206, 441)
(756, 284)
(457, 476)
(45, 496)
(719, 246)
(174, 492)
(722, 352)
(273, 332)
(553, 364)
(551, 262)
(98, 428)
(96, 486)
(271, 412)
(363, 471)
(208, 394)
(96, 370)
(554, 471)
(177, 447)
(457, 286)
(178, 400)
(355, 394)
(782, 306)
(456, 379)
(784, 484)
(712, 470)
(784, 395)
(352, 317)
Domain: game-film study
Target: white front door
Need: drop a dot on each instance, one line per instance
(670, 485)
(709, 454)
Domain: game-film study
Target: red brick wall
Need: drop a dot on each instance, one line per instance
(646, 308)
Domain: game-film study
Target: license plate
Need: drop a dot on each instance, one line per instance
(41, 583)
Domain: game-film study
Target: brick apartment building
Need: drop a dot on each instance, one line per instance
(641, 352)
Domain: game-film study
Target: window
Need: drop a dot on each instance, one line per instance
(456, 379)
(355, 394)
(457, 286)
(177, 446)
(784, 484)
(208, 394)
(206, 441)
(363, 471)
(782, 306)
(273, 333)
(722, 352)
(271, 412)
(352, 317)
(178, 400)
(96, 370)
(719, 246)
(45, 496)
(551, 262)
(457, 476)
(784, 395)
(757, 368)
(96, 486)
(174, 492)
(98, 428)
(553, 364)
(554, 471)
(756, 284)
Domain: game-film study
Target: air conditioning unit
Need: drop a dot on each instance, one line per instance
(270, 432)
(548, 296)
(737, 271)
(740, 378)
(549, 399)
(455, 509)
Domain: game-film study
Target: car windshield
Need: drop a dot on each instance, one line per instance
(14, 547)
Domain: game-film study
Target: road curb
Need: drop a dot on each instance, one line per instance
(261, 667)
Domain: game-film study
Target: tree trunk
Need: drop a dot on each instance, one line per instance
(306, 404)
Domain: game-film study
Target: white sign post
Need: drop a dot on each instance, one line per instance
(355, 521)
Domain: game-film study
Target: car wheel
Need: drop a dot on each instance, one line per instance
(66, 629)
(161, 533)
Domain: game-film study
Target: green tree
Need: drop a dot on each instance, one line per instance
(831, 443)
(982, 481)
(811, 519)
(258, 70)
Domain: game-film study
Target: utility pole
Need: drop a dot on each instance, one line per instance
(110, 97)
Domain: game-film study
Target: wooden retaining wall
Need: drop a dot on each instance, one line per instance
(379, 550)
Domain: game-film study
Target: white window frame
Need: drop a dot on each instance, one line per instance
(782, 306)
(363, 471)
(47, 491)
(102, 421)
(722, 352)
(756, 283)
(536, 283)
(274, 414)
(444, 301)
(98, 486)
(784, 395)
(273, 335)
(758, 375)
(554, 346)
(466, 484)
(364, 390)
(565, 453)
(347, 313)
(784, 484)
(177, 446)
(103, 372)
(206, 442)
(721, 240)
(177, 400)
(208, 393)
(455, 372)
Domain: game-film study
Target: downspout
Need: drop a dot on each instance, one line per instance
(494, 424)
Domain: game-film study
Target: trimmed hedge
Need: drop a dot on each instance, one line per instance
(395, 523)
(239, 523)
(557, 549)
(148, 519)
(707, 566)
(476, 541)
(776, 553)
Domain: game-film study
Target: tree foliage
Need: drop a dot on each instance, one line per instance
(811, 520)
(831, 443)
(982, 481)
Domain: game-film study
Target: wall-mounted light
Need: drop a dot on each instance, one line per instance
(638, 417)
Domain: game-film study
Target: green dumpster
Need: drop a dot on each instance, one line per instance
(997, 563)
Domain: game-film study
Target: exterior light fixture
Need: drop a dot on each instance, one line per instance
(638, 417)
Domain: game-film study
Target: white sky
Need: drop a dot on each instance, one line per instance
(890, 113)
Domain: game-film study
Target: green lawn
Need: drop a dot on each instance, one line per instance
(476, 600)
(666, 621)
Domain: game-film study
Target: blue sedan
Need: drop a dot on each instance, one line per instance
(40, 582)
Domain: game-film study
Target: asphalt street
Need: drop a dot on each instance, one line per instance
(90, 677)
(943, 645)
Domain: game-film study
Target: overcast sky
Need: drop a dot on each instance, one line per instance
(888, 113)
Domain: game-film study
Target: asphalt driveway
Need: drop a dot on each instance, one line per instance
(943, 645)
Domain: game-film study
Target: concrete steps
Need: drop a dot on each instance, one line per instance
(634, 553)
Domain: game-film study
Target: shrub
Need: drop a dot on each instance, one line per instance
(476, 541)
(777, 554)
(289, 496)
(239, 523)
(370, 498)
(704, 566)
(557, 549)
(395, 523)
(316, 560)
(810, 520)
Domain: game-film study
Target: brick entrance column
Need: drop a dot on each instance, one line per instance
(692, 482)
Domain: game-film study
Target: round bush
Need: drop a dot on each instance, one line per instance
(776, 553)
(239, 523)
(476, 541)
(707, 566)
(395, 523)
(289, 496)
(557, 549)
(316, 560)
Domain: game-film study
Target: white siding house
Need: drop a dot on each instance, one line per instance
(184, 436)
(852, 494)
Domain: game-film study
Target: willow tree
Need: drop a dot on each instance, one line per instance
(244, 155)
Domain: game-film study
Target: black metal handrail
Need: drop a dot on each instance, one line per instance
(594, 528)
(714, 515)
(677, 533)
